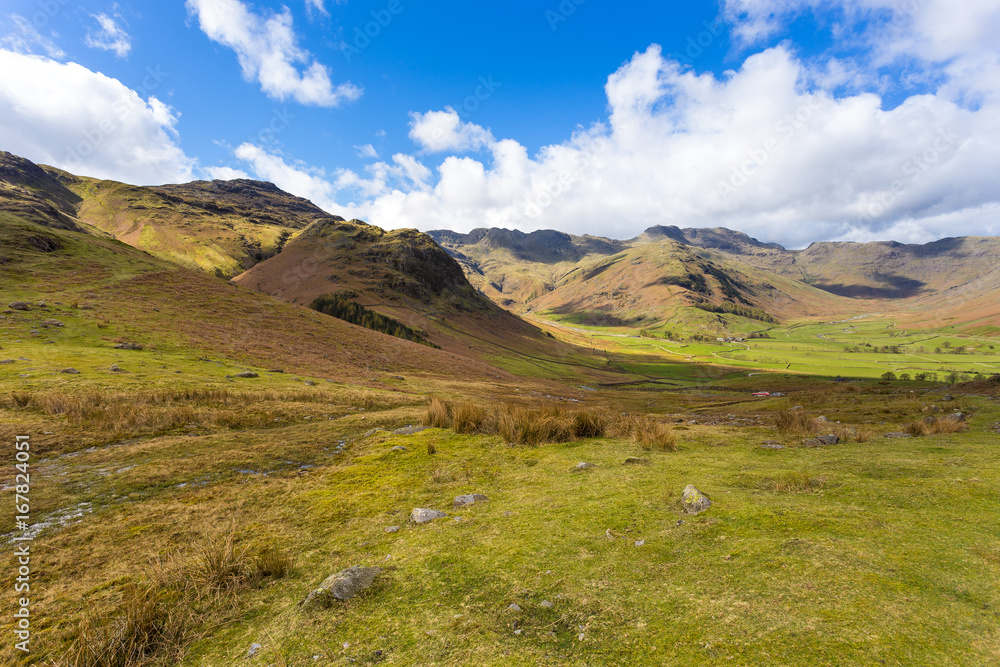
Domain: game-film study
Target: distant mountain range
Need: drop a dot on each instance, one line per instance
(716, 279)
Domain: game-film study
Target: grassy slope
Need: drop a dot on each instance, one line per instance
(405, 275)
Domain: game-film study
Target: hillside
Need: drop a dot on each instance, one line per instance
(220, 227)
(403, 274)
(648, 278)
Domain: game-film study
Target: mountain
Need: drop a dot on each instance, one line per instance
(656, 275)
(403, 274)
(221, 227)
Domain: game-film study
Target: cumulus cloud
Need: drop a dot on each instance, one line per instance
(68, 116)
(268, 52)
(225, 173)
(110, 36)
(26, 39)
(366, 152)
(438, 131)
(785, 149)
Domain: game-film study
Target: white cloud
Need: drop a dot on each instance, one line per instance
(26, 39)
(268, 52)
(786, 150)
(366, 151)
(298, 179)
(110, 36)
(438, 131)
(225, 173)
(68, 116)
(317, 6)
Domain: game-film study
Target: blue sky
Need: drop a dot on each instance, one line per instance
(792, 120)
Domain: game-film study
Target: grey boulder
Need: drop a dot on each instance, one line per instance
(468, 499)
(343, 585)
(693, 500)
(423, 515)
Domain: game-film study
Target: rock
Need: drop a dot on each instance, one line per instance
(680, 522)
(70, 371)
(772, 445)
(129, 346)
(693, 422)
(253, 650)
(368, 434)
(634, 460)
(829, 439)
(898, 435)
(20, 305)
(468, 499)
(246, 374)
(583, 465)
(342, 586)
(310, 383)
(115, 369)
(51, 323)
(7, 361)
(639, 543)
(546, 604)
(947, 397)
(514, 607)
(423, 515)
(930, 408)
(398, 448)
(409, 430)
(694, 501)
(957, 416)
(822, 419)
(392, 529)
(797, 408)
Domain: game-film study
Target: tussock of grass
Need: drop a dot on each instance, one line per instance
(938, 426)
(148, 412)
(796, 423)
(646, 432)
(157, 619)
(516, 424)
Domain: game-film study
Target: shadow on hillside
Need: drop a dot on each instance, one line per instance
(892, 287)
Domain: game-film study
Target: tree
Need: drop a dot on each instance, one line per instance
(904, 376)
(888, 375)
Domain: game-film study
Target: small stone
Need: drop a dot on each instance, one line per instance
(579, 637)
(947, 397)
(468, 499)
(822, 419)
(70, 371)
(423, 515)
(635, 460)
(898, 435)
(398, 448)
(342, 586)
(409, 430)
(957, 416)
(514, 607)
(639, 543)
(253, 650)
(392, 529)
(7, 361)
(583, 465)
(310, 383)
(829, 439)
(128, 346)
(368, 434)
(20, 305)
(929, 420)
(51, 323)
(694, 501)
(547, 604)
(246, 374)
(693, 422)
(770, 444)
(680, 522)
(115, 369)
(796, 408)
